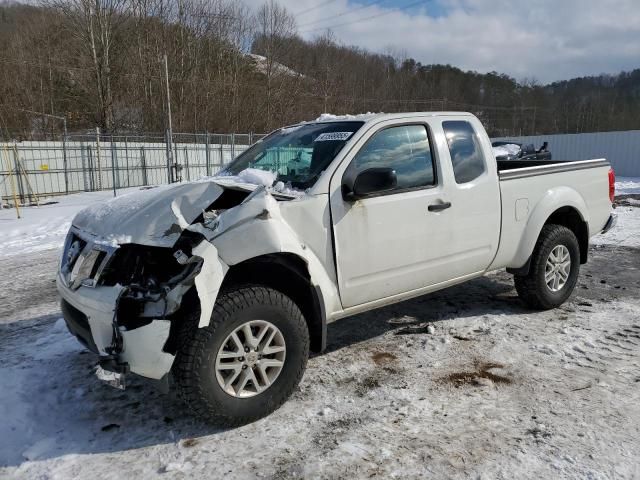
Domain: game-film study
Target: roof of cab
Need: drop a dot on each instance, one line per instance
(365, 117)
(373, 117)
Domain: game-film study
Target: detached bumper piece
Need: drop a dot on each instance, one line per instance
(613, 220)
(113, 373)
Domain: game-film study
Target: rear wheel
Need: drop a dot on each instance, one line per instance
(553, 273)
(248, 361)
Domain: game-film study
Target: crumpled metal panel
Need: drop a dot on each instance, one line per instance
(142, 349)
(155, 217)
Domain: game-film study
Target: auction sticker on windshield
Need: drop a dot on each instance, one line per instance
(328, 136)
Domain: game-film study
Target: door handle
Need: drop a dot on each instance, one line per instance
(438, 207)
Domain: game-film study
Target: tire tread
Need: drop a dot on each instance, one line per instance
(528, 286)
(194, 340)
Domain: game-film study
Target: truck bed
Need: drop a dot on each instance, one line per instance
(528, 187)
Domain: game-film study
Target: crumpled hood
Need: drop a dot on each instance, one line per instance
(155, 217)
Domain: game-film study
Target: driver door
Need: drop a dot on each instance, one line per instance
(391, 242)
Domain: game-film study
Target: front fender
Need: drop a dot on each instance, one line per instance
(273, 235)
(553, 199)
(253, 229)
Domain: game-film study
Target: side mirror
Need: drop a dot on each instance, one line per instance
(369, 182)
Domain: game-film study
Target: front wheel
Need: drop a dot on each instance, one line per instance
(248, 361)
(553, 273)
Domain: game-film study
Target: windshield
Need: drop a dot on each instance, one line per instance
(296, 155)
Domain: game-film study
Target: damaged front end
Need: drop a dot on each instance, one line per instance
(131, 277)
(126, 301)
(121, 301)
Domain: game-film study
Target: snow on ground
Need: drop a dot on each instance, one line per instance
(462, 383)
(626, 233)
(45, 227)
(627, 185)
(262, 65)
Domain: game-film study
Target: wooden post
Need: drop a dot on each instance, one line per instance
(16, 164)
(11, 181)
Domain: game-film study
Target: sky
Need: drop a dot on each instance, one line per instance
(545, 40)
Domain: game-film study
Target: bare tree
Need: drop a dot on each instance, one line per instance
(274, 27)
(96, 24)
(98, 63)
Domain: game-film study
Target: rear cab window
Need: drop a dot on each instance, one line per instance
(465, 149)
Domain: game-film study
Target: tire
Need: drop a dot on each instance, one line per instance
(533, 288)
(198, 379)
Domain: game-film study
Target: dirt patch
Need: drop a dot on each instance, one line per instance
(414, 329)
(367, 383)
(461, 337)
(189, 442)
(381, 358)
(628, 200)
(482, 371)
(331, 434)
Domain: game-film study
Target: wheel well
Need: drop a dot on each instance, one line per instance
(569, 217)
(288, 274)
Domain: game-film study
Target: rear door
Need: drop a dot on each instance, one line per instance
(474, 191)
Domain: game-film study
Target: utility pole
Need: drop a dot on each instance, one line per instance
(169, 125)
(64, 155)
(98, 158)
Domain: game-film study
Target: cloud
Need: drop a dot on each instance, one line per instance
(543, 39)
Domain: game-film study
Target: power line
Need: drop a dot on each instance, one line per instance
(315, 8)
(348, 12)
(378, 15)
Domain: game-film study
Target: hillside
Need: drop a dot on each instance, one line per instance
(230, 70)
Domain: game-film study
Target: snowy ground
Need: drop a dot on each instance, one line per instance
(44, 227)
(627, 185)
(495, 391)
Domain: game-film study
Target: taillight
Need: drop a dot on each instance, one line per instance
(612, 184)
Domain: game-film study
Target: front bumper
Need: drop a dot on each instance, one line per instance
(90, 314)
(613, 220)
(78, 325)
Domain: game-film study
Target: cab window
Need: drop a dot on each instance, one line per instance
(465, 149)
(406, 149)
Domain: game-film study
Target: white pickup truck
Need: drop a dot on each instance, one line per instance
(226, 284)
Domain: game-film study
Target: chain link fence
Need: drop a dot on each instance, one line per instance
(93, 161)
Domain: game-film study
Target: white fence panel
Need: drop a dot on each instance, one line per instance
(99, 166)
